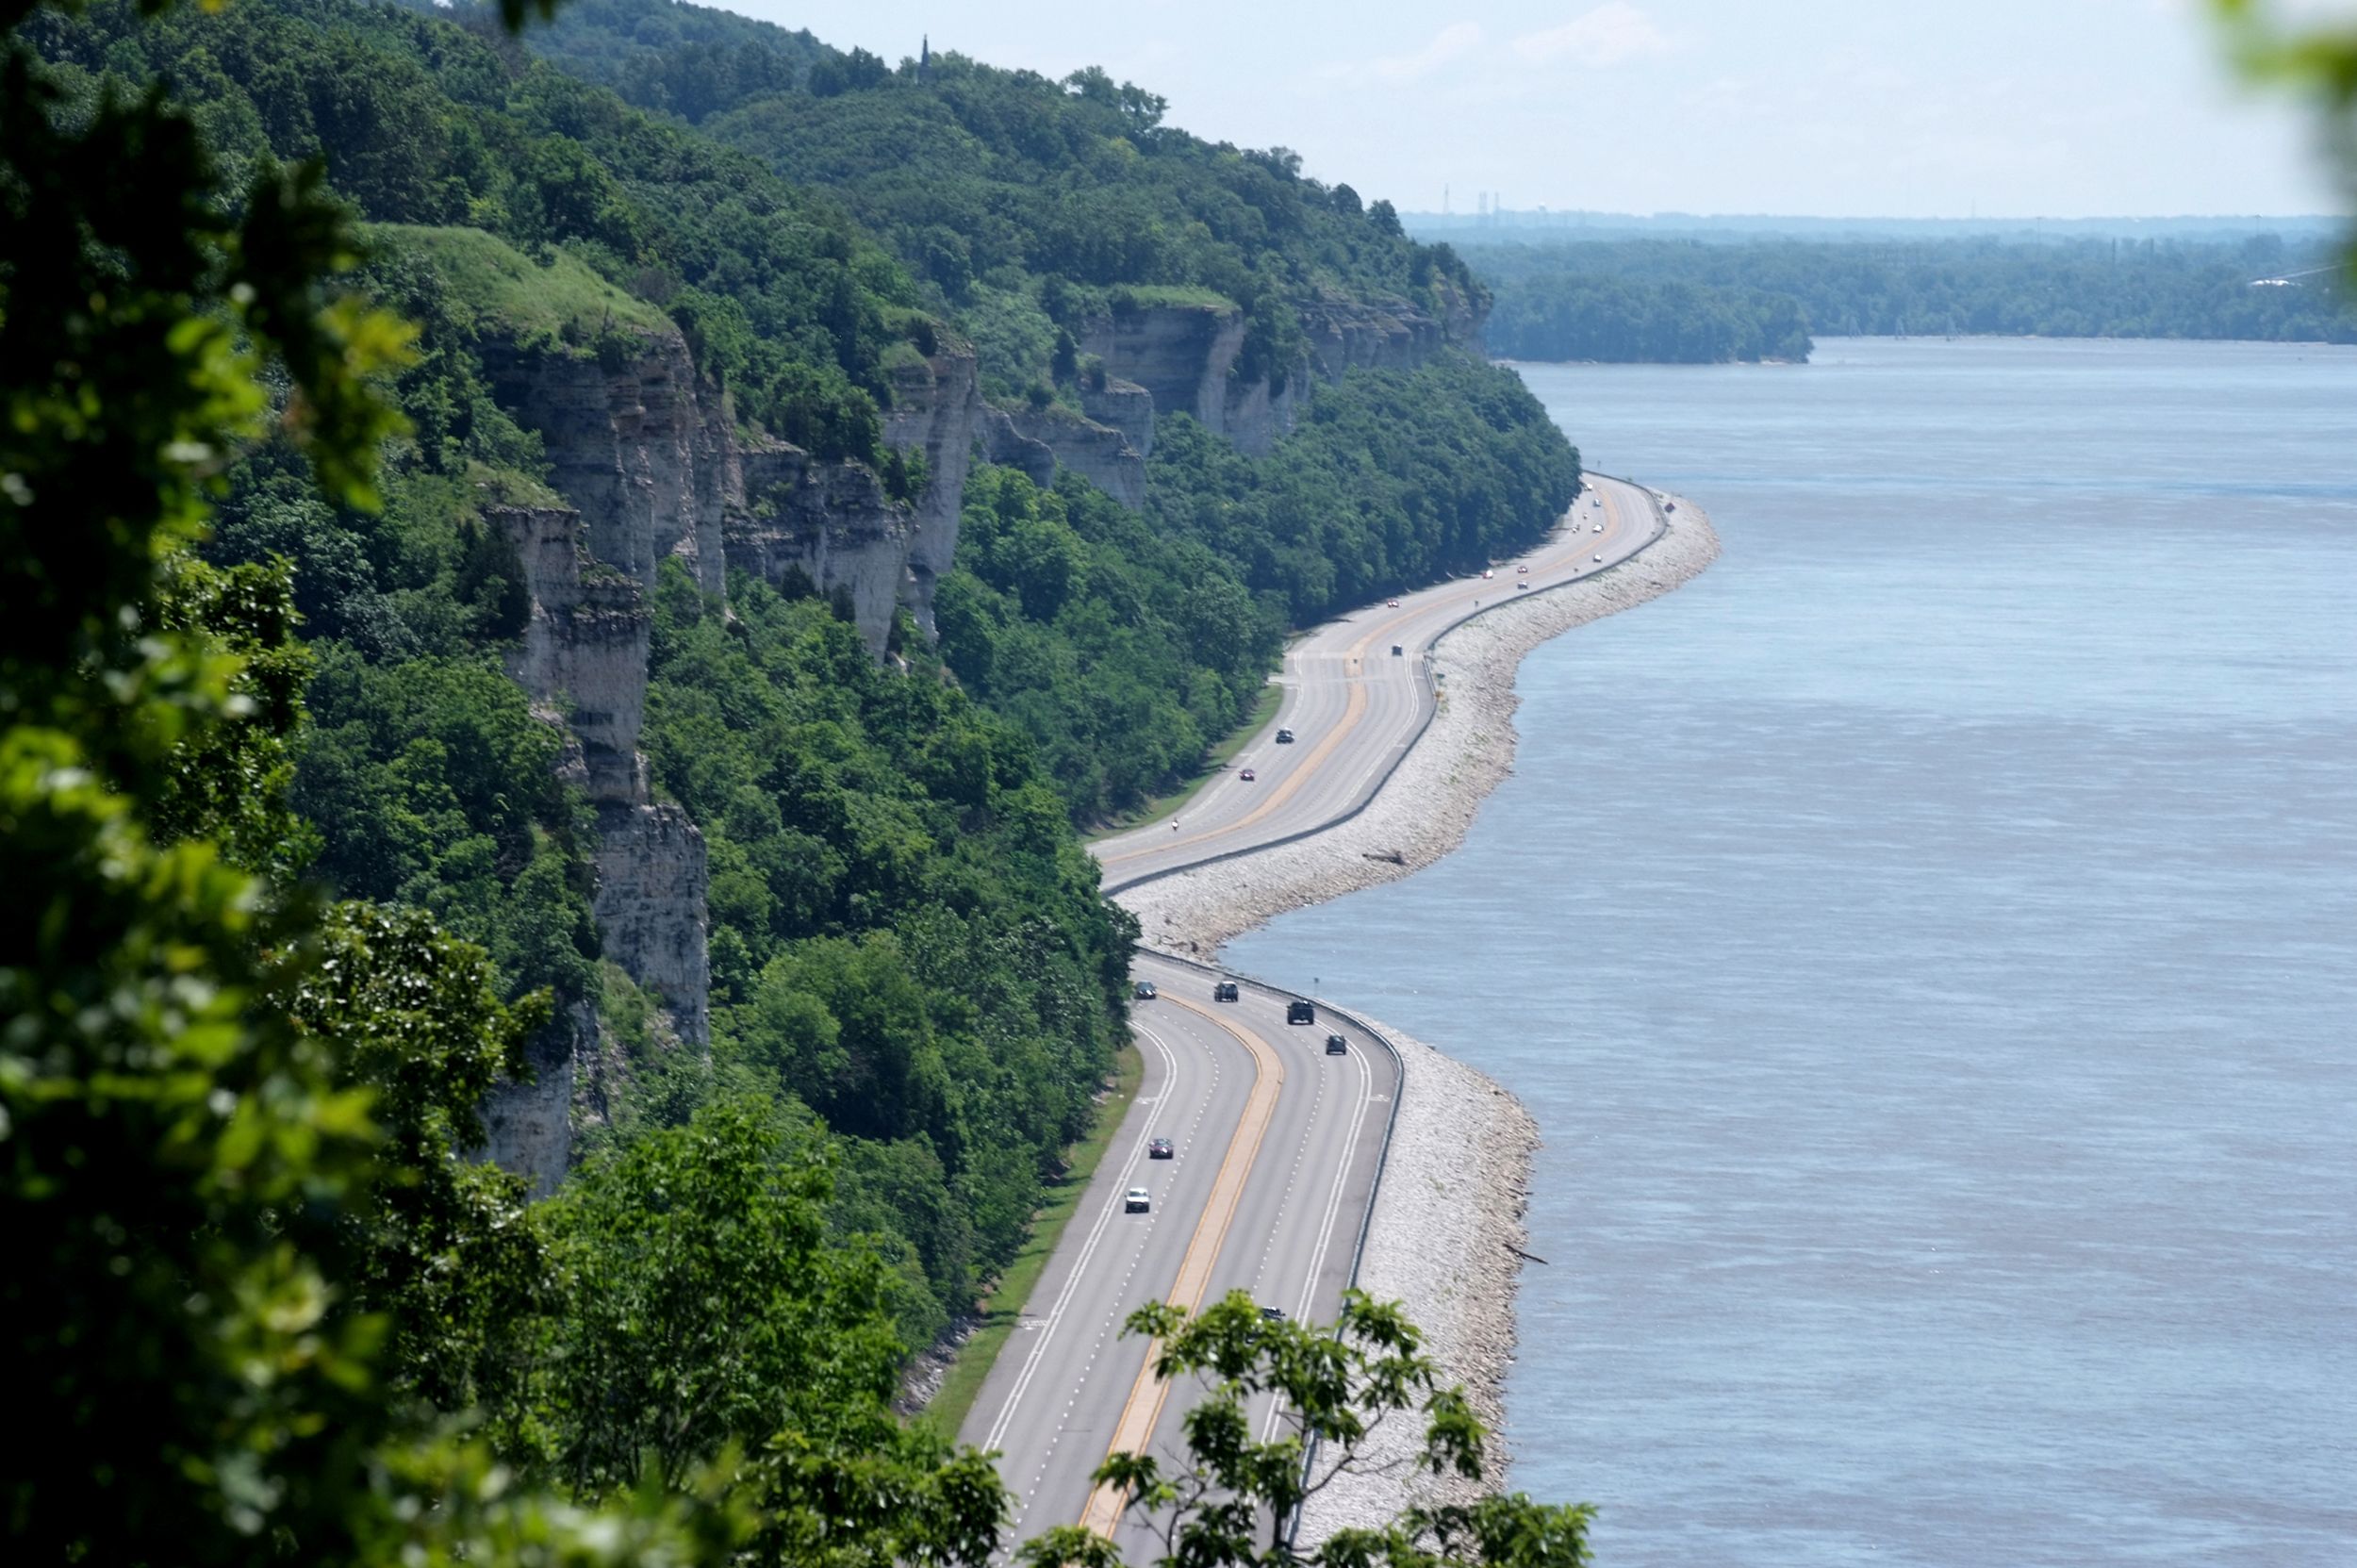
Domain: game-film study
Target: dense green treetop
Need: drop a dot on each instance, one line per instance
(1004, 190)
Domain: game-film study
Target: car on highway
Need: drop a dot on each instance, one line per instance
(1247, 775)
(1301, 1012)
(1393, 603)
(1224, 991)
(1522, 588)
(1274, 1314)
(1520, 569)
(1143, 990)
(1284, 737)
(1137, 1202)
(1486, 574)
(1597, 529)
(1337, 1046)
(1596, 557)
(1159, 1149)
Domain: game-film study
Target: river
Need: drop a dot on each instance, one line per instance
(1928, 943)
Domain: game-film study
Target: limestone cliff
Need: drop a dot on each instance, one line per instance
(1183, 358)
(1181, 354)
(938, 411)
(1126, 406)
(653, 465)
(830, 521)
(1100, 453)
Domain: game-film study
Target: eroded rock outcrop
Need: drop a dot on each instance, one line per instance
(1125, 406)
(1184, 357)
(938, 411)
(651, 911)
(1099, 453)
(1181, 354)
(831, 522)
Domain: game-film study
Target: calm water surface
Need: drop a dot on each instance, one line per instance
(1929, 945)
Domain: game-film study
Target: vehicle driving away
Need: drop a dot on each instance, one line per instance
(1337, 1046)
(1301, 1012)
(1247, 775)
(1224, 991)
(1284, 737)
(1137, 1202)
(1159, 1149)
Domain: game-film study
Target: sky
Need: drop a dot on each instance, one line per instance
(1831, 107)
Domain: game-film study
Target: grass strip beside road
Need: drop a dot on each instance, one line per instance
(1219, 757)
(1003, 1308)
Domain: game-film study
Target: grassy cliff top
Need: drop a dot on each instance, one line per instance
(560, 297)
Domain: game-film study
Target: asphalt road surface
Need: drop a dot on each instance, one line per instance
(1277, 1143)
(1354, 706)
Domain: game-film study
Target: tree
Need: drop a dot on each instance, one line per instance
(1236, 1501)
(181, 1161)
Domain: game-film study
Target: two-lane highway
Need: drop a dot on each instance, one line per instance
(1277, 1143)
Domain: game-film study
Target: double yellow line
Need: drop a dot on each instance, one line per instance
(1135, 1428)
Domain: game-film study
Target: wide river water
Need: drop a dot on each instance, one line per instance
(1928, 942)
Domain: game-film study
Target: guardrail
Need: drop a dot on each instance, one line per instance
(1430, 703)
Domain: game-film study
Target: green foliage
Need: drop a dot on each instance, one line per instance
(432, 785)
(434, 128)
(1394, 478)
(1072, 195)
(905, 936)
(450, 1260)
(1121, 651)
(1636, 319)
(1663, 299)
(1232, 1499)
(558, 301)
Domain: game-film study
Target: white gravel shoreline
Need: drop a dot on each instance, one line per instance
(1446, 1229)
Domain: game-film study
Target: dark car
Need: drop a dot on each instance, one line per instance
(1143, 990)
(1224, 991)
(1336, 1045)
(1159, 1149)
(1275, 1314)
(1284, 737)
(1247, 775)
(1301, 1012)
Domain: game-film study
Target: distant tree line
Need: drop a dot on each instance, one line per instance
(1694, 300)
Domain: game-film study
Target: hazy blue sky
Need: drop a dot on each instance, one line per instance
(1899, 108)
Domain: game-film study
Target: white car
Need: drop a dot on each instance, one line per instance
(1597, 529)
(1486, 574)
(1137, 1202)
(1596, 557)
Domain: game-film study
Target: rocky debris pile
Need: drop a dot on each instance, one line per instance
(1424, 811)
(1446, 1238)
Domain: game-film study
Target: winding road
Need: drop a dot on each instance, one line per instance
(1277, 1144)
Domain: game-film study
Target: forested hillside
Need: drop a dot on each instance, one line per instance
(539, 627)
(1693, 300)
(653, 770)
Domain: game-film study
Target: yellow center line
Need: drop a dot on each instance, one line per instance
(1351, 715)
(1144, 1407)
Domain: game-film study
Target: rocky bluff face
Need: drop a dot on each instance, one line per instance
(655, 468)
